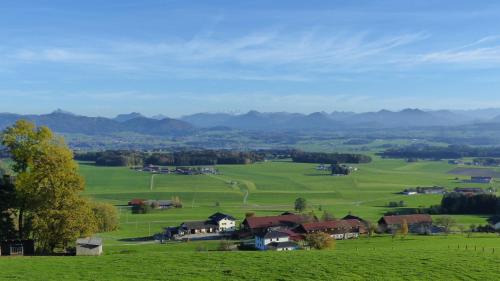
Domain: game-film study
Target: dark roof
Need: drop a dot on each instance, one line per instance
(264, 222)
(351, 217)
(220, 216)
(274, 234)
(198, 224)
(281, 245)
(410, 219)
(324, 225)
(89, 241)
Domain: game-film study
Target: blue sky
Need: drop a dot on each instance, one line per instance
(180, 57)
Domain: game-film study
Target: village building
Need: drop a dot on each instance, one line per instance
(409, 192)
(89, 247)
(274, 240)
(494, 222)
(16, 247)
(217, 223)
(481, 179)
(225, 222)
(431, 190)
(366, 224)
(160, 204)
(418, 223)
(469, 190)
(339, 229)
(136, 202)
(198, 227)
(256, 225)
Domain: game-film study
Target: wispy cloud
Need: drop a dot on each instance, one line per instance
(485, 51)
(267, 55)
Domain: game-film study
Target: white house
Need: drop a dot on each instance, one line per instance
(225, 222)
(89, 247)
(274, 240)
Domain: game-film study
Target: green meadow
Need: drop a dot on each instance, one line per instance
(266, 189)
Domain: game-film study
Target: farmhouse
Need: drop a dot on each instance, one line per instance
(136, 202)
(198, 227)
(274, 240)
(89, 247)
(366, 224)
(340, 229)
(17, 247)
(420, 223)
(409, 192)
(481, 179)
(472, 190)
(216, 223)
(160, 204)
(224, 222)
(431, 190)
(257, 225)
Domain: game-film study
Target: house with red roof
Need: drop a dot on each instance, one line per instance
(417, 223)
(257, 225)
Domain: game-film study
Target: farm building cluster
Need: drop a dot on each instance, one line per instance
(288, 231)
(442, 190)
(177, 170)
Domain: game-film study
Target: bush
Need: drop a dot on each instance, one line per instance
(106, 216)
(225, 245)
(320, 241)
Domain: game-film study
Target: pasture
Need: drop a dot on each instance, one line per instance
(271, 188)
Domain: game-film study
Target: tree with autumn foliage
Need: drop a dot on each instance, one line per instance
(49, 206)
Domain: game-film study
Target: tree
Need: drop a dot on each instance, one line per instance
(446, 222)
(106, 216)
(320, 240)
(7, 205)
(300, 204)
(371, 229)
(48, 186)
(404, 229)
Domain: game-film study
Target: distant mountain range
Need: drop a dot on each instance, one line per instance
(407, 118)
(66, 122)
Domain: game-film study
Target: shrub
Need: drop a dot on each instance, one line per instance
(320, 240)
(106, 216)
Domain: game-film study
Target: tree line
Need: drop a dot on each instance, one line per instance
(457, 203)
(181, 158)
(330, 158)
(437, 152)
(42, 199)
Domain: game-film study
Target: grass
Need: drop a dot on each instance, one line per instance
(413, 258)
(271, 188)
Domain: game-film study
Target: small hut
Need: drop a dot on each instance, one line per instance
(89, 247)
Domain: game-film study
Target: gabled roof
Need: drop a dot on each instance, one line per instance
(351, 217)
(89, 241)
(410, 219)
(217, 217)
(264, 222)
(274, 234)
(198, 224)
(338, 224)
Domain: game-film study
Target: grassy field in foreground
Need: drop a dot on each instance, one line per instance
(379, 258)
(271, 188)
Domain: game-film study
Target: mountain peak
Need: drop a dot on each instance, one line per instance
(127, 117)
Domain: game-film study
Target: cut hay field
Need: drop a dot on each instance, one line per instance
(271, 188)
